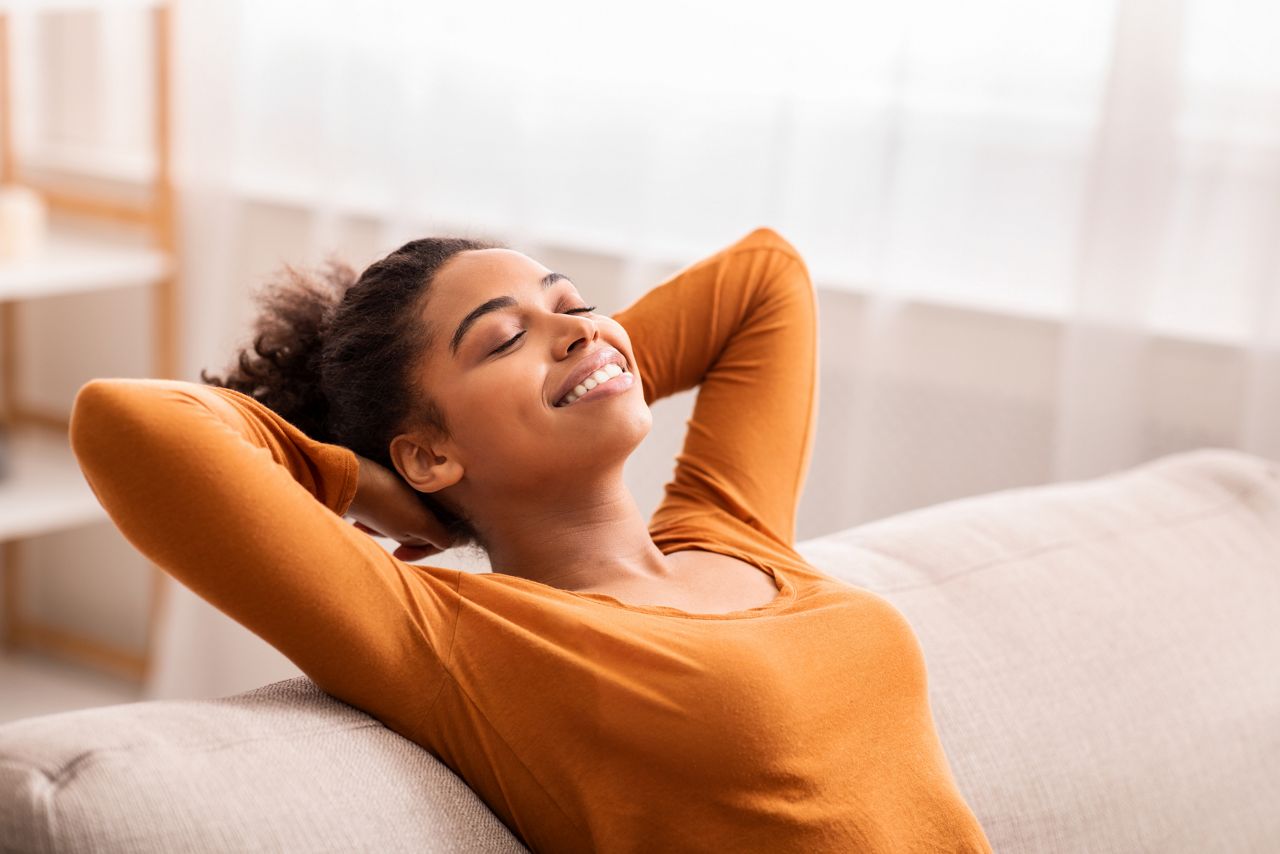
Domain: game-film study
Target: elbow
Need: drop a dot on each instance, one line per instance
(794, 281)
(89, 412)
(770, 237)
(98, 418)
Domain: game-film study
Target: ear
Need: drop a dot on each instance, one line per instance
(427, 464)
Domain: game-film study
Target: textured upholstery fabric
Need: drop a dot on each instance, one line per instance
(1103, 655)
(284, 767)
(1102, 660)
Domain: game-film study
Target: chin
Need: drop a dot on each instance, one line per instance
(630, 426)
(643, 417)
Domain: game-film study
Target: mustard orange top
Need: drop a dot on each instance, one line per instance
(585, 723)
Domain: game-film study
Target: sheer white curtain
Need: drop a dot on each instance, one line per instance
(1045, 234)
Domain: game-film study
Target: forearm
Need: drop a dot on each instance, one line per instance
(366, 484)
(384, 503)
(682, 327)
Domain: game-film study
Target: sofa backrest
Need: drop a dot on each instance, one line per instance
(1103, 655)
(1102, 658)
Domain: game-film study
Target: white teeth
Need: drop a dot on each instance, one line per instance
(603, 375)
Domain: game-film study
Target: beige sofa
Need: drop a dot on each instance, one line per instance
(1104, 660)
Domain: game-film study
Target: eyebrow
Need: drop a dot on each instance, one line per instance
(493, 305)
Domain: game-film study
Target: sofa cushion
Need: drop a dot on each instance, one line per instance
(1103, 655)
(284, 767)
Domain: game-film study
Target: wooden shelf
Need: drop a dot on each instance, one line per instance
(43, 489)
(73, 264)
(128, 167)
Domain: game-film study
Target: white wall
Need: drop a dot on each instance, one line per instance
(964, 405)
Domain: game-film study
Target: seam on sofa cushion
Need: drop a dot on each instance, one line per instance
(41, 804)
(66, 774)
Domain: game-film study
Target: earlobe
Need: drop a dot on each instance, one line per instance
(425, 468)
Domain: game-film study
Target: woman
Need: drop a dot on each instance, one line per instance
(685, 684)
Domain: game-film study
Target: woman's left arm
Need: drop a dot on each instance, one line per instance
(742, 325)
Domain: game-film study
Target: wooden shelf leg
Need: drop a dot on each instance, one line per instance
(12, 596)
(155, 618)
(8, 362)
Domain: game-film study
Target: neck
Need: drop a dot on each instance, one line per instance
(594, 537)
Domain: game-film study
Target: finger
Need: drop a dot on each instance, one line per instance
(436, 533)
(415, 552)
(417, 542)
(363, 527)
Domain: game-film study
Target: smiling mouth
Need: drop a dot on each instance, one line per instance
(597, 378)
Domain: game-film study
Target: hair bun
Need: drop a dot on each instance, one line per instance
(282, 368)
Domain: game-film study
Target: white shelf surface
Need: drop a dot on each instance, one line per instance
(130, 166)
(44, 490)
(73, 264)
(32, 685)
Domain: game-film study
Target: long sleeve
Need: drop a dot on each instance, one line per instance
(246, 510)
(742, 324)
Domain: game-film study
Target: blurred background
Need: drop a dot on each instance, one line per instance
(1045, 236)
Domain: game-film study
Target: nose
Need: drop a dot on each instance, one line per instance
(575, 335)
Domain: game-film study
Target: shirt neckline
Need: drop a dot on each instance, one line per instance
(786, 593)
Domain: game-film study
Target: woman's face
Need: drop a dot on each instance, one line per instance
(508, 339)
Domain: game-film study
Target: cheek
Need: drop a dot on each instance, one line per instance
(615, 333)
(499, 415)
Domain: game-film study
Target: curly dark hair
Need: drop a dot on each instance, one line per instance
(335, 355)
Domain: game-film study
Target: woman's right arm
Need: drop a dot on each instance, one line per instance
(246, 510)
(385, 506)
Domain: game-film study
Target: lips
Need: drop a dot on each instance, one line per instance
(586, 366)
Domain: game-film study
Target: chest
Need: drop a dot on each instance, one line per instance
(703, 583)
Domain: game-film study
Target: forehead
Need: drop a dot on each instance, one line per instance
(473, 277)
(484, 273)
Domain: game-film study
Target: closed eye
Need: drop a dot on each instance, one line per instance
(513, 339)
